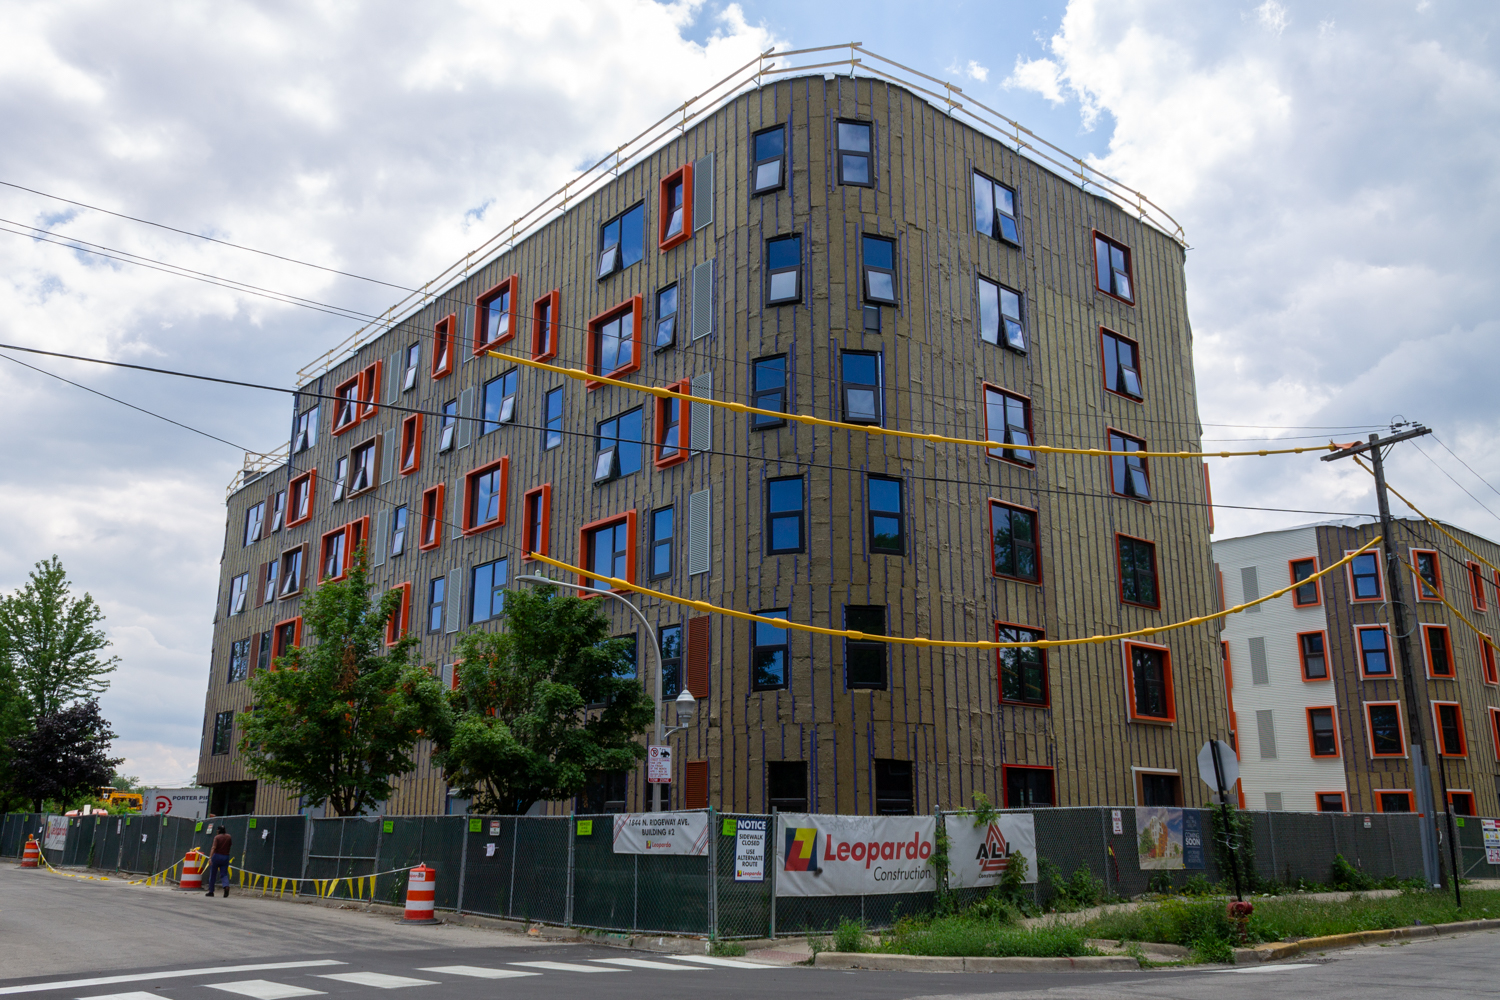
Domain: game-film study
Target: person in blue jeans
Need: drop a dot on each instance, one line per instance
(219, 862)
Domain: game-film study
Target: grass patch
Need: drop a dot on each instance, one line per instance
(726, 949)
(989, 932)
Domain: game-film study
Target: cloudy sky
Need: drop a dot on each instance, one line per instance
(1333, 164)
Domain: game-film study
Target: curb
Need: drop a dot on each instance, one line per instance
(1279, 950)
(936, 963)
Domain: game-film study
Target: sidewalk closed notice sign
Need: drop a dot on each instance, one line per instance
(661, 833)
(750, 850)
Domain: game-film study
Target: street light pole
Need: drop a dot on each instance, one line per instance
(656, 648)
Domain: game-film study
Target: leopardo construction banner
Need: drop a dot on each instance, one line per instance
(822, 855)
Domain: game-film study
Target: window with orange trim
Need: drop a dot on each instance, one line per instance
(495, 315)
(1322, 731)
(332, 558)
(364, 466)
(1363, 572)
(1448, 726)
(1307, 594)
(444, 336)
(400, 620)
(359, 535)
(291, 572)
(538, 505)
(1148, 678)
(284, 636)
(1487, 659)
(607, 547)
(545, 313)
(1331, 802)
(411, 444)
(1383, 723)
(432, 518)
(369, 390)
(614, 342)
(1476, 587)
(1461, 801)
(346, 405)
(1429, 575)
(671, 429)
(1437, 650)
(675, 225)
(1394, 801)
(1312, 648)
(1495, 730)
(485, 491)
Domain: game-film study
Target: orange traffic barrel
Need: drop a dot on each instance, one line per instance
(32, 854)
(192, 871)
(421, 892)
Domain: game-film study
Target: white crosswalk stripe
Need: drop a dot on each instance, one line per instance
(641, 963)
(377, 979)
(564, 967)
(478, 972)
(264, 989)
(727, 963)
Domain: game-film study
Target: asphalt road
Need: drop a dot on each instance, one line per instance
(69, 939)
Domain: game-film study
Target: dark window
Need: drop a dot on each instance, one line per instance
(223, 732)
(614, 343)
(995, 210)
(1330, 802)
(661, 543)
(263, 656)
(1023, 671)
(862, 387)
(669, 429)
(543, 327)
(1307, 593)
(486, 492)
(500, 401)
(537, 503)
(450, 421)
(1028, 787)
(671, 661)
(442, 337)
(786, 785)
(1000, 309)
(609, 551)
(340, 476)
(278, 511)
(1137, 571)
(666, 317)
(768, 657)
(306, 434)
(622, 241)
(489, 590)
(436, 595)
(1450, 724)
(552, 434)
(346, 406)
(333, 555)
(854, 153)
(1429, 580)
(619, 444)
(605, 792)
(494, 316)
(1122, 365)
(1128, 473)
(291, 572)
(1013, 540)
(864, 660)
(1385, 730)
(768, 156)
(1007, 419)
(411, 444)
(1160, 789)
(1325, 741)
(1439, 660)
(1151, 683)
(432, 517)
(1395, 802)
(398, 530)
(363, 461)
(893, 788)
(1462, 802)
(284, 638)
(672, 207)
(255, 519)
(783, 270)
(1112, 267)
(769, 391)
(784, 515)
(1374, 657)
(880, 270)
(1314, 657)
(1476, 586)
(628, 666)
(239, 660)
(1365, 572)
(239, 591)
(413, 357)
(887, 523)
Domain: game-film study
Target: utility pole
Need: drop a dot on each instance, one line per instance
(1414, 712)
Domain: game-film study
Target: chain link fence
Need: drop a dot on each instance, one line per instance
(564, 869)
(1474, 848)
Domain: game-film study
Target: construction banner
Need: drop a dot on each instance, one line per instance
(661, 833)
(822, 855)
(979, 855)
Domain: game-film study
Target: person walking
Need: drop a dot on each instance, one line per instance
(223, 844)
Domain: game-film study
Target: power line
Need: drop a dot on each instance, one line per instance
(1465, 465)
(1455, 482)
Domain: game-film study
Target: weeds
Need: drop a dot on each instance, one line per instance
(726, 949)
(1346, 876)
(850, 936)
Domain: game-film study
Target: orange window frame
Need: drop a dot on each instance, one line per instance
(411, 441)
(400, 620)
(444, 342)
(482, 339)
(1312, 748)
(311, 479)
(1129, 267)
(359, 534)
(431, 514)
(356, 383)
(1370, 729)
(1476, 587)
(1437, 728)
(537, 504)
(629, 517)
(1454, 793)
(1171, 690)
(1379, 598)
(341, 535)
(660, 425)
(684, 176)
(1302, 658)
(1495, 730)
(1359, 653)
(1036, 540)
(1343, 800)
(502, 465)
(1487, 660)
(1120, 572)
(632, 306)
(277, 649)
(553, 301)
(1420, 583)
(369, 391)
(1317, 585)
(1426, 630)
(1381, 793)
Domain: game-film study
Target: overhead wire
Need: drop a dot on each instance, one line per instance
(1466, 465)
(1484, 637)
(1455, 482)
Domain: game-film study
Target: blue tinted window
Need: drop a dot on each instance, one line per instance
(878, 252)
(860, 369)
(786, 252)
(769, 143)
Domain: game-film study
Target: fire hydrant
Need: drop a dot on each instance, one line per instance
(1239, 915)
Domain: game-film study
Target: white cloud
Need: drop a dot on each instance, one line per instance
(1040, 75)
(1272, 16)
(973, 70)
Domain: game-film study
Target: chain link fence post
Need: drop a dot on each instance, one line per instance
(773, 851)
(572, 861)
(463, 863)
(713, 874)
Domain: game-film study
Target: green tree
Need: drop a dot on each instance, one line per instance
(14, 722)
(54, 641)
(524, 730)
(64, 756)
(337, 720)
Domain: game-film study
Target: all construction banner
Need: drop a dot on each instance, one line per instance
(853, 855)
(979, 855)
(661, 833)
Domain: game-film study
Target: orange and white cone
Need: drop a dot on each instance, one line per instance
(421, 894)
(32, 854)
(192, 872)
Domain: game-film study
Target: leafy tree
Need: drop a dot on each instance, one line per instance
(13, 723)
(65, 756)
(337, 720)
(54, 641)
(521, 731)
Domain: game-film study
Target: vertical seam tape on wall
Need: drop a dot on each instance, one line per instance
(1250, 584)
(1259, 674)
(1266, 730)
(698, 548)
(701, 418)
(703, 299)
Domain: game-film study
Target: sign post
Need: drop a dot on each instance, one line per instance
(1219, 768)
